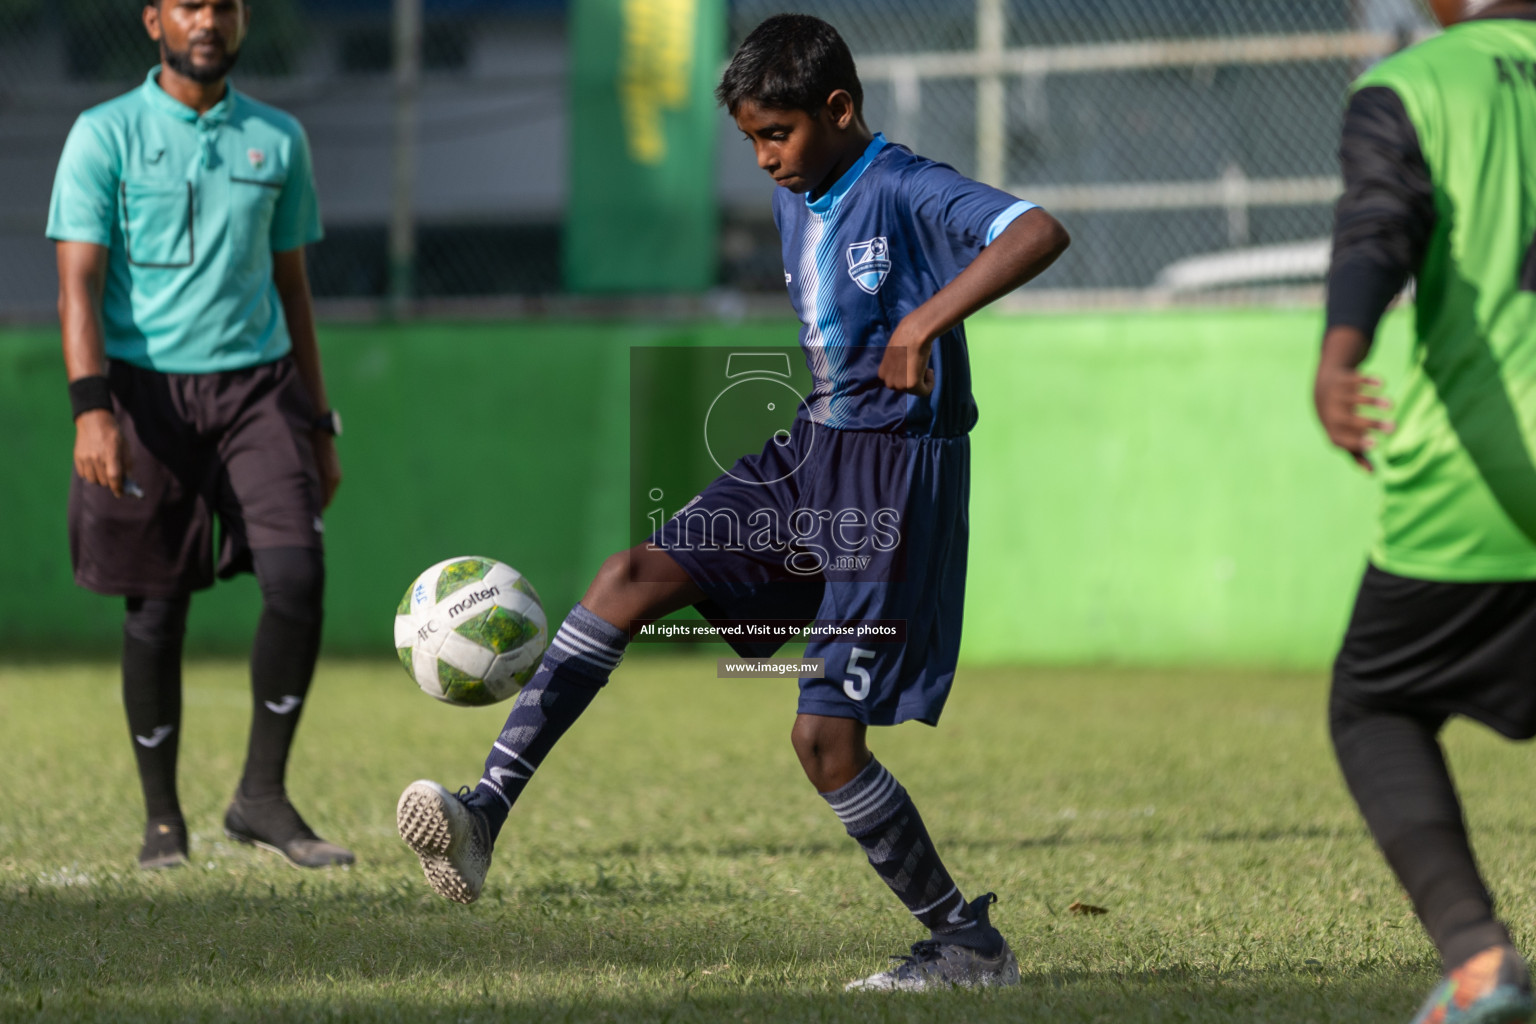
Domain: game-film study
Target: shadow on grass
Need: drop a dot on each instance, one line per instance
(1067, 834)
(1358, 995)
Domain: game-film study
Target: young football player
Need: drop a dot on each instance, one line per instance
(885, 254)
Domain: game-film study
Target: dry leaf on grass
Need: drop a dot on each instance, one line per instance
(1085, 909)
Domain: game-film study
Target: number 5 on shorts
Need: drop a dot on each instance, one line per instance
(857, 688)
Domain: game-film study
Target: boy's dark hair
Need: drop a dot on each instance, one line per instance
(791, 62)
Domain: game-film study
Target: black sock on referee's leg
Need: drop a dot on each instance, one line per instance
(1397, 773)
(283, 659)
(153, 630)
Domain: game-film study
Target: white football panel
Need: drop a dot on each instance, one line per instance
(517, 601)
(430, 631)
(502, 575)
(424, 668)
(522, 657)
(466, 655)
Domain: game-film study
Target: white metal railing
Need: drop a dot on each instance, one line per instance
(990, 64)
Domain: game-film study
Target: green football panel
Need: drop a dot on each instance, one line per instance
(405, 602)
(498, 629)
(524, 587)
(462, 688)
(456, 574)
(405, 660)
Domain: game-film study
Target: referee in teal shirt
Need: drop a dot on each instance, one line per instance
(180, 212)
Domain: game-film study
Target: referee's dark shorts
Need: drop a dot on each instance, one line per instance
(233, 446)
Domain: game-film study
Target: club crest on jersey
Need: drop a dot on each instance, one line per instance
(868, 263)
(256, 157)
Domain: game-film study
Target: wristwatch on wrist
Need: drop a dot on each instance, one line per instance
(329, 422)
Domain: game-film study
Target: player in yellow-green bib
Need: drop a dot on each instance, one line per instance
(1439, 162)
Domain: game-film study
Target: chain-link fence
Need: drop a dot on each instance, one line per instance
(1161, 131)
(489, 136)
(1187, 143)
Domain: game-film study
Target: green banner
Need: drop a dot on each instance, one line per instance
(642, 211)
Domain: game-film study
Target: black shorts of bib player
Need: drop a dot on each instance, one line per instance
(1440, 186)
(204, 440)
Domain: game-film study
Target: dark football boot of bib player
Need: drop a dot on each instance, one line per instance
(1493, 987)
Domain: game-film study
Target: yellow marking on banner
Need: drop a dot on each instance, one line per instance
(655, 68)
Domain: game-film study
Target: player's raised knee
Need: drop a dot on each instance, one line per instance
(614, 580)
(831, 750)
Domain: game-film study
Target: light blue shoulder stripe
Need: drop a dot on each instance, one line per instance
(1001, 221)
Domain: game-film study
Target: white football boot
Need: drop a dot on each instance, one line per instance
(452, 839)
(935, 963)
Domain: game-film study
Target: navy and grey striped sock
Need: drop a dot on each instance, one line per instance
(879, 814)
(579, 660)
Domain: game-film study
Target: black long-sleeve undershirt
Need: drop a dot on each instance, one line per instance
(1384, 219)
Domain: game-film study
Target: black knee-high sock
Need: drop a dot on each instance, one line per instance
(878, 813)
(1396, 770)
(153, 631)
(283, 658)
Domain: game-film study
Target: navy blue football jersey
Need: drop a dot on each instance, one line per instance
(891, 232)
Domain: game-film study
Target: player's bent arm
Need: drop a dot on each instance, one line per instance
(292, 282)
(1386, 214)
(1381, 227)
(1025, 248)
(100, 454)
(1340, 391)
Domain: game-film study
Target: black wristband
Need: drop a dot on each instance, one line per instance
(89, 393)
(328, 423)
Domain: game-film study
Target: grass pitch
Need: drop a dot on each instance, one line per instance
(670, 863)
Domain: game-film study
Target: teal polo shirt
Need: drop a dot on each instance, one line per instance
(191, 209)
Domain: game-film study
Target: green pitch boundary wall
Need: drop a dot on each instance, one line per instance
(1148, 488)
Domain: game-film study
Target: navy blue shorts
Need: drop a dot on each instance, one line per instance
(841, 526)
